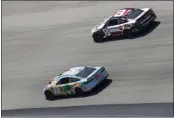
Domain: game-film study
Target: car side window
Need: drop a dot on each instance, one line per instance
(122, 20)
(63, 81)
(113, 22)
(73, 80)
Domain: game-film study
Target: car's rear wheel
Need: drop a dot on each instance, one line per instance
(128, 34)
(79, 92)
(138, 25)
(49, 95)
(97, 37)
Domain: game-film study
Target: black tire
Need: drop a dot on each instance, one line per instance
(97, 37)
(79, 92)
(49, 95)
(128, 34)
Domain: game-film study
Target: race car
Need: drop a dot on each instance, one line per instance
(76, 81)
(124, 22)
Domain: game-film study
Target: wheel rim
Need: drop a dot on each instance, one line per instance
(98, 37)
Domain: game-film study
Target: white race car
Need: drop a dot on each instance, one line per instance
(124, 22)
(76, 81)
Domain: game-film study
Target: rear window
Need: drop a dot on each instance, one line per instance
(85, 72)
(134, 13)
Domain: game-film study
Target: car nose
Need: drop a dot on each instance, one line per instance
(46, 86)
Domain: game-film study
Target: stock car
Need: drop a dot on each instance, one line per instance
(124, 22)
(76, 81)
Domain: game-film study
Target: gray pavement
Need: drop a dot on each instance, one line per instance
(43, 39)
(110, 110)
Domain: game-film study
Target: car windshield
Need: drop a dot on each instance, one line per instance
(134, 13)
(85, 72)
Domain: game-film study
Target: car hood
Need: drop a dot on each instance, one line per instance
(101, 25)
(52, 84)
(97, 27)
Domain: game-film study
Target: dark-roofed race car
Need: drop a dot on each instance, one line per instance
(124, 22)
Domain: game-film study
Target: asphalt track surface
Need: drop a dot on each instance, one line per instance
(43, 39)
(147, 109)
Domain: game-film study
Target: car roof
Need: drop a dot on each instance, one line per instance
(128, 8)
(115, 15)
(73, 71)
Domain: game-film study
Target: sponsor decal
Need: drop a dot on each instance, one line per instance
(67, 89)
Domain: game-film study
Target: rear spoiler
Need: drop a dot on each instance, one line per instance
(95, 74)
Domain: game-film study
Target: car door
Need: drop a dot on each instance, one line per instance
(61, 86)
(114, 26)
(74, 82)
(66, 86)
(58, 89)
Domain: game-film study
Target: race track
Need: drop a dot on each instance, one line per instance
(43, 39)
(109, 110)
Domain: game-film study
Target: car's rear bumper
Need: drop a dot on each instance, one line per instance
(101, 80)
(152, 18)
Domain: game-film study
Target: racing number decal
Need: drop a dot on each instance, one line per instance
(57, 90)
(120, 12)
(107, 33)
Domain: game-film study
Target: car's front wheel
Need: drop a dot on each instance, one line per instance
(97, 37)
(49, 95)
